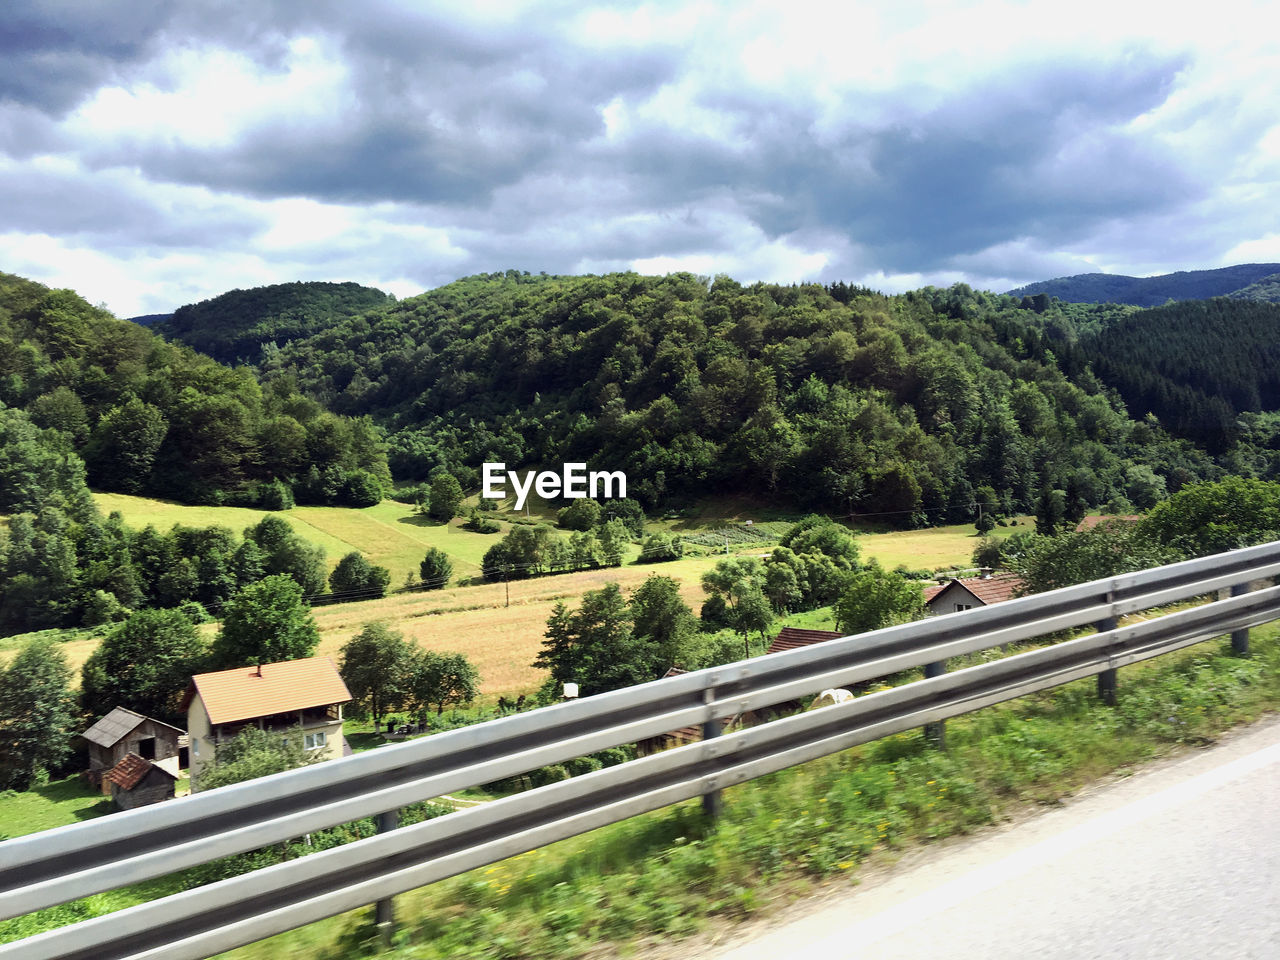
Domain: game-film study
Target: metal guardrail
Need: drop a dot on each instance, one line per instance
(59, 865)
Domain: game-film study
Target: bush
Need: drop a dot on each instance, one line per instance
(582, 514)
(355, 574)
(102, 607)
(481, 524)
(361, 489)
(275, 495)
(435, 569)
(660, 547)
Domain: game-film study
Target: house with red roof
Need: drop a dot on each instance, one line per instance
(965, 593)
(277, 697)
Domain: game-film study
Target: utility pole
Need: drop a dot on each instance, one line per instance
(506, 582)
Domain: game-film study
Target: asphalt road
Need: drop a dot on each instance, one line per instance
(1181, 861)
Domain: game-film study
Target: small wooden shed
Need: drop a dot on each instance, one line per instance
(135, 782)
(122, 732)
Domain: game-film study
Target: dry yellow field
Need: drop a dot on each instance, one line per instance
(500, 640)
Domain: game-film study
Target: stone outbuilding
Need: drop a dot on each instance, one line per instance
(122, 732)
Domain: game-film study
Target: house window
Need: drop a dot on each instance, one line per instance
(195, 746)
(963, 606)
(314, 741)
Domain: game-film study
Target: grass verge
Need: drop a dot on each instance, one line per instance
(666, 875)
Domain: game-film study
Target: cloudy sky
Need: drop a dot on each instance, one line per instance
(154, 153)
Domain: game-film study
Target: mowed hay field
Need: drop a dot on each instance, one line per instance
(500, 640)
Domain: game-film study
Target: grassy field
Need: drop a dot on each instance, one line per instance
(56, 804)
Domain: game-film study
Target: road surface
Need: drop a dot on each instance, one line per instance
(1180, 861)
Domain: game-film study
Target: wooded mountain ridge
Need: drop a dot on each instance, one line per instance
(1244, 281)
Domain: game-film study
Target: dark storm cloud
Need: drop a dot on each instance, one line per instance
(442, 113)
(52, 54)
(985, 166)
(450, 142)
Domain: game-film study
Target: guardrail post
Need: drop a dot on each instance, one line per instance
(385, 911)
(1107, 678)
(936, 733)
(1240, 638)
(711, 727)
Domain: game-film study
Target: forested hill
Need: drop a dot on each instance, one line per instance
(236, 326)
(1154, 291)
(1197, 366)
(837, 398)
(149, 416)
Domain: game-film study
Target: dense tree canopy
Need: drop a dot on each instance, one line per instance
(143, 664)
(266, 622)
(37, 715)
(154, 417)
(895, 406)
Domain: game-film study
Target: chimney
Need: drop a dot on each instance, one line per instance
(984, 573)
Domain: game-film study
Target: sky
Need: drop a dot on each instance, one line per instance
(155, 153)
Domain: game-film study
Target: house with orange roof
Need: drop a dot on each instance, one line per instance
(278, 697)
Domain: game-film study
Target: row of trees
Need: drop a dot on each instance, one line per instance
(528, 551)
(63, 564)
(1199, 520)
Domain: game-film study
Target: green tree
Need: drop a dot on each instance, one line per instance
(582, 514)
(1205, 518)
(986, 508)
(37, 715)
(446, 497)
(266, 622)
(592, 646)
(660, 547)
(254, 753)
(1051, 512)
(663, 626)
(378, 666)
(443, 679)
(815, 534)
(122, 449)
(285, 552)
(144, 664)
(1107, 550)
(740, 582)
(435, 569)
(782, 586)
(355, 574)
(878, 598)
(613, 537)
